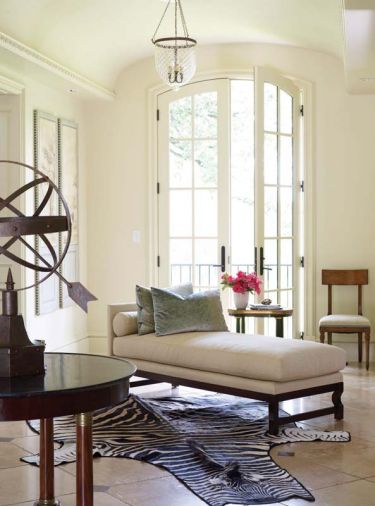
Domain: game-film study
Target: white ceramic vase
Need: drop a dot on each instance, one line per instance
(241, 300)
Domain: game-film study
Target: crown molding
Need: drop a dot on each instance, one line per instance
(9, 86)
(31, 55)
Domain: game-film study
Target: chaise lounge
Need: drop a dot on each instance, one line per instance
(257, 367)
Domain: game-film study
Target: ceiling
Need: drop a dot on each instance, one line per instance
(98, 38)
(92, 41)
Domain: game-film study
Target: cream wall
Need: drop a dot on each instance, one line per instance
(69, 324)
(343, 173)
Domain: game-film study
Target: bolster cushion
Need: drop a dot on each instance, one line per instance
(125, 323)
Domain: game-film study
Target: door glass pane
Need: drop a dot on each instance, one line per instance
(205, 119)
(193, 194)
(242, 175)
(181, 259)
(205, 256)
(270, 262)
(205, 213)
(286, 160)
(270, 211)
(180, 118)
(205, 163)
(286, 253)
(180, 213)
(270, 159)
(180, 164)
(270, 107)
(286, 112)
(286, 212)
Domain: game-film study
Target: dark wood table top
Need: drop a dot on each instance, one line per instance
(261, 312)
(73, 383)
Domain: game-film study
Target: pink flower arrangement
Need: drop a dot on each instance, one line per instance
(242, 282)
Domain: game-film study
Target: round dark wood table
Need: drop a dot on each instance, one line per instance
(74, 384)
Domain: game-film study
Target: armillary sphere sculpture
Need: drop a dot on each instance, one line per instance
(18, 355)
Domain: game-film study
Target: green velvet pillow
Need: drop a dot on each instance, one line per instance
(198, 312)
(145, 306)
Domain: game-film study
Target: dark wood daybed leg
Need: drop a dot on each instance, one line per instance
(339, 407)
(273, 417)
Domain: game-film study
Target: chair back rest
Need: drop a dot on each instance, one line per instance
(357, 277)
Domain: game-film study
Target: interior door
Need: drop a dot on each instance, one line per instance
(277, 186)
(193, 184)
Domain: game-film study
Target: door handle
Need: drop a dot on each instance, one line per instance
(256, 260)
(222, 260)
(262, 258)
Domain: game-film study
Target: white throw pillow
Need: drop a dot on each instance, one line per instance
(125, 323)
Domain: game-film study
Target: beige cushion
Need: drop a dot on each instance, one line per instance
(125, 323)
(344, 320)
(261, 386)
(248, 356)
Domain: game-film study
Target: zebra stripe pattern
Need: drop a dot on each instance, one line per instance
(217, 445)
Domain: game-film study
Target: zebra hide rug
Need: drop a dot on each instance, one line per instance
(216, 445)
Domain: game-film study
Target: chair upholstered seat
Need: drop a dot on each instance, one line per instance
(344, 320)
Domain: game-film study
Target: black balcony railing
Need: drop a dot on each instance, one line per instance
(209, 275)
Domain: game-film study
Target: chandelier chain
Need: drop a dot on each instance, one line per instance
(178, 7)
(161, 20)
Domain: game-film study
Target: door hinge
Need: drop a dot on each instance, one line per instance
(302, 261)
(158, 261)
(157, 114)
(301, 110)
(158, 187)
(302, 186)
(302, 335)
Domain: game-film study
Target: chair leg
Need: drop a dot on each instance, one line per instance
(367, 343)
(359, 347)
(329, 337)
(322, 336)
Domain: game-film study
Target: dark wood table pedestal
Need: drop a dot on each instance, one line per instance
(46, 471)
(74, 384)
(84, 475)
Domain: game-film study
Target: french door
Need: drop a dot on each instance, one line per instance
(228, 186)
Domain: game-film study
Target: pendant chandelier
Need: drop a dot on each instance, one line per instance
(175, 56)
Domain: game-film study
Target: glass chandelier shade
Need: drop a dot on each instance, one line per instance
(175, 56)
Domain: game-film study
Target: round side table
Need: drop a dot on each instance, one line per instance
(74, 384)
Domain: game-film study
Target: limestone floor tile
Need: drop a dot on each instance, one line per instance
(29, 443)
(315, 449)
(21, 484)
(10, 455)
(100, 499)
(159, 492)
(15, 429)
(358, 462)
(311, 474)
(356, 493)
(114, 471)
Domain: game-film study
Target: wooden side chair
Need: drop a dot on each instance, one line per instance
(343, 323)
